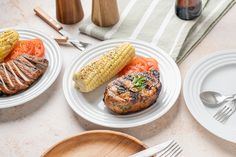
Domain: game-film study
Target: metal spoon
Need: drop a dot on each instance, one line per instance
(214, 99)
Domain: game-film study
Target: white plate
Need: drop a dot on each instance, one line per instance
(52, 53)
(90, 106)
(216, 73)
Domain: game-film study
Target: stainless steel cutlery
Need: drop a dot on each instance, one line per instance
(55, 25)
(214, 99)
(223, 114)
(167, 149)
(66, 41)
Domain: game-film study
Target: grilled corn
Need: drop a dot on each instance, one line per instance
(97, 72)
(8, 40)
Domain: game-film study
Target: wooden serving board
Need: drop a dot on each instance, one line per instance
(98, 143)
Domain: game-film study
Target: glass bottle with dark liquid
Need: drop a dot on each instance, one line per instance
(188, 9)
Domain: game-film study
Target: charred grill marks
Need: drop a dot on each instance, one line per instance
(18, 74)
(134, 96)
(129, 77)
(133, 92)
(121, 88)
(155, 73)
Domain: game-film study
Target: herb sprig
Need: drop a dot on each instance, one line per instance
(139, 82)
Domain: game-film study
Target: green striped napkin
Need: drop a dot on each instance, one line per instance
(155, 21)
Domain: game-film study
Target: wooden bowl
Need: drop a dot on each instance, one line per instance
(97, 143)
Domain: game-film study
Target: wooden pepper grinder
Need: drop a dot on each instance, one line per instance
(69, 11)
(105, 12)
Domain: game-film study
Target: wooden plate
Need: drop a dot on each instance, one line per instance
(98, 143)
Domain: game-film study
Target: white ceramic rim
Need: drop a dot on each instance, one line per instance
(118, 41)
(55, 64)
(191, 91)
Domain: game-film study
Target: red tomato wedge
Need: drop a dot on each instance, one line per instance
(152, 63)
(33, 47)
(139, 64)
(38, 48)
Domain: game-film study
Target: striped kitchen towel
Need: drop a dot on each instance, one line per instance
(155, 21)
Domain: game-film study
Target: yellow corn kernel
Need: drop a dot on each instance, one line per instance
(8, 40)
(97, 72)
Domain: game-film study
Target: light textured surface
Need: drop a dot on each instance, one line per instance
(31, 129)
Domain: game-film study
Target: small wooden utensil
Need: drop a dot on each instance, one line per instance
(69, 11)
(61, 39)
(105, 12)
(45, 17)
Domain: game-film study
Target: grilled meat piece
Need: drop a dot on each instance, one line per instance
(133, 92)
(40, 63)
(28, 68)
(17, 82)
(10, 82)
(18, 74)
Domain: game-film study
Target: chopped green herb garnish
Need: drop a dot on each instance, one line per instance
(139, 82)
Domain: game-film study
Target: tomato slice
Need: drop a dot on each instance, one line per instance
(25, 47)
(152, 63)
(139, 64)
(33, 47)
(38, 48)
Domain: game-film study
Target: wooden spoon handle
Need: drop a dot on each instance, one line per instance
(45, 17)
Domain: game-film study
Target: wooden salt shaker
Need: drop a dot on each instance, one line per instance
(105, 13)
(69, 11)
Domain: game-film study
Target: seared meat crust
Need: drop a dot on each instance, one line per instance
(18, 74)
(133, 92)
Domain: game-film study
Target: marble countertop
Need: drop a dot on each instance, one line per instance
(30, 129)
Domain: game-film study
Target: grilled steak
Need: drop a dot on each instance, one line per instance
(11, 66)
(28, 68)
(40, 63)
(18, 74)
(133, 92)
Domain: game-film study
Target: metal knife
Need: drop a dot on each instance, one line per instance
(55, 25)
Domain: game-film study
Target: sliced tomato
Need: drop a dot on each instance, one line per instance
(152, 63)
(33, 47)
(127, 70)
(139, 64)
(38, 48)
(25, 47)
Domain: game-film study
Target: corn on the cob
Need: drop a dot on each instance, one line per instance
(8, 40)
(97, 72)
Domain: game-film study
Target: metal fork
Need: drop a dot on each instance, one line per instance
(223, 114)
(173, 150)
(82, 45)
(167, 149)
(67, 41)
